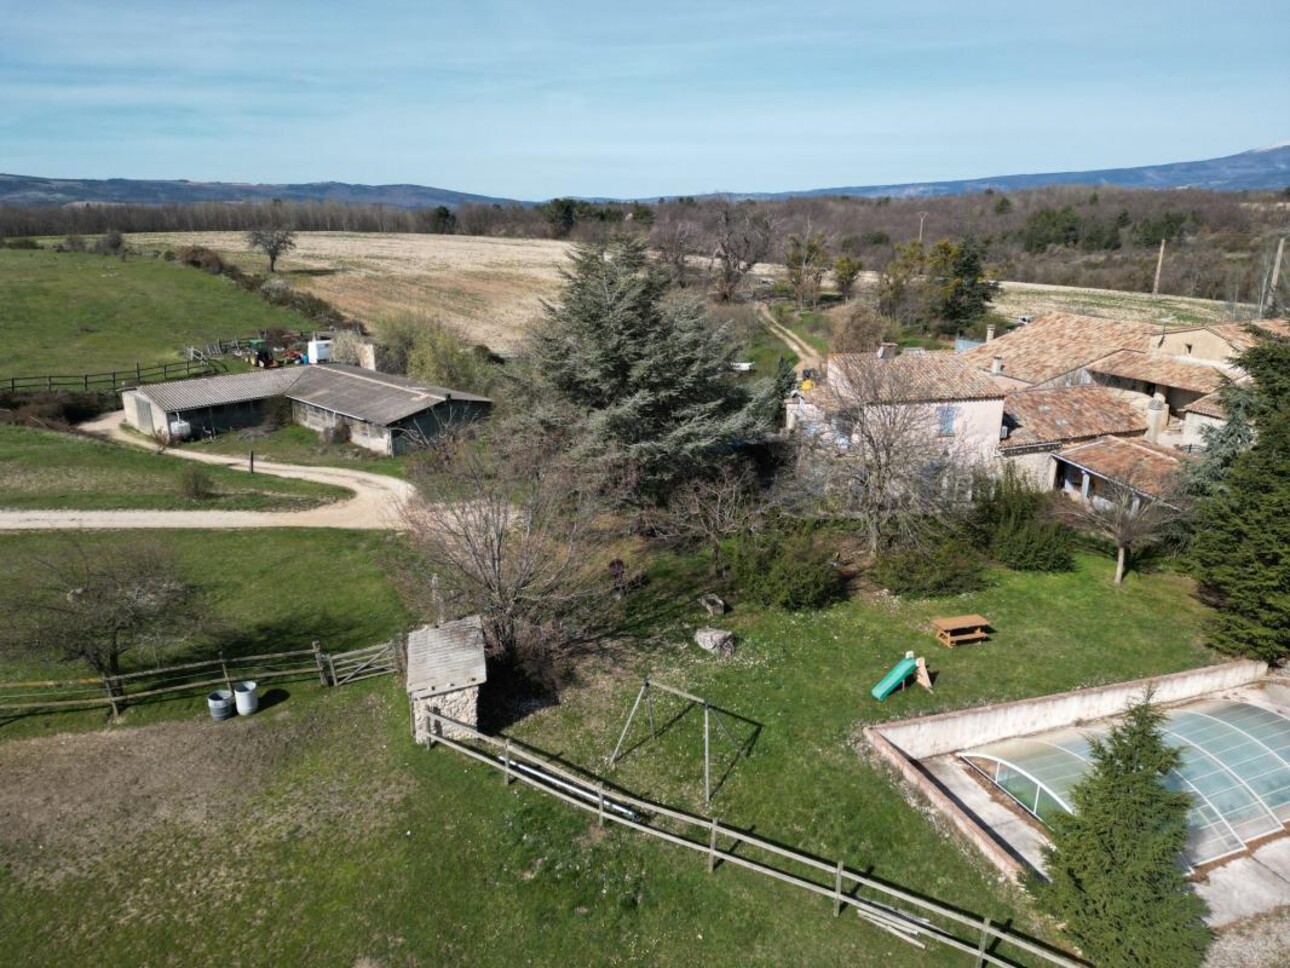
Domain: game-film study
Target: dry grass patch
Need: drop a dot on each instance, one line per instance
(489, 288)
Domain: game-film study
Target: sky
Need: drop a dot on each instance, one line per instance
(537, 99)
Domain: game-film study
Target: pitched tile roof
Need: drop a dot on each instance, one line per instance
(1168, 371)
(1210, 405)
(1067, 414)
(1239, 335)
(1138, 464)
(1050, 346)
(378, 398)
(909, 378)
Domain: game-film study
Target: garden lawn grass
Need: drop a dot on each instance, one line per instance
(300, 445)
(49, 470)
(359, 845)
(73, 313)
(274, 590)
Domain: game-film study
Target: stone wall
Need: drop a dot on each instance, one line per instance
(461, 705)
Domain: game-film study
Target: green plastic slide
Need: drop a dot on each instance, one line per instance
(892, 680)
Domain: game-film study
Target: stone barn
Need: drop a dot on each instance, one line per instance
(381, 412)
(445, 670)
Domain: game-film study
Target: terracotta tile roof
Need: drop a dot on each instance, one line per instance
(1239, 335)
(909, 378)
(1210, 405)
(1168, 371)
(1067, 414)
(1139, 464)
(1050, 346)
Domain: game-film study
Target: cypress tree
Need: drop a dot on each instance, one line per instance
(1113, 868)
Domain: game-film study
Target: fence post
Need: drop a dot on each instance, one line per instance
(109, 688)
(712, 846)
(138, 374)
(600, 788)
(49, 383)
(980, 948)
(506, 771)
(837, 892)
(318, 661)
(87, 382)
(252, 462)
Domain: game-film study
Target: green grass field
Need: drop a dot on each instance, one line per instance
(265, 591)
(45, 469)
(336, 841)
(300, 445)
(72, 313)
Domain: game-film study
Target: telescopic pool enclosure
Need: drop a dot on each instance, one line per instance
(1235, 765)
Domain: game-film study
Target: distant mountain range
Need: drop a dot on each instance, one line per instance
(33, 190)
(1262, 168)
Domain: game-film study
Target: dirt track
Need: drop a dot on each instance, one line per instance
(375, 505)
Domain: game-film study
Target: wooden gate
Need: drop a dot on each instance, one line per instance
(375, 660)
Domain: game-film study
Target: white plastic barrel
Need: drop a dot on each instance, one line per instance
(247, 698)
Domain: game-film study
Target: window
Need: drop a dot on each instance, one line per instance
(945, 417)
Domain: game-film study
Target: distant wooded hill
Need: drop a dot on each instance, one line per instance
(1260, 169)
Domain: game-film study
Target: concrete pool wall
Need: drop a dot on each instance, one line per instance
(904, 743)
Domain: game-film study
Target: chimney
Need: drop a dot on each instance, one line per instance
(886, 350)
(1157, 419)
(989, 333)
(996, 365)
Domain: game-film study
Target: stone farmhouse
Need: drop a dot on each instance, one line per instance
(1067, 400)
(381, 412)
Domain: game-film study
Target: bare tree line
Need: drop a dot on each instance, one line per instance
(1219, 241)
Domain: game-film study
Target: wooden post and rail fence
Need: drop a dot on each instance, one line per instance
(110, 379)
(171, 682)
(904, 914)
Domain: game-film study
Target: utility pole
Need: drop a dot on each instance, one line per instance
(1271, 293)
(1160, 264)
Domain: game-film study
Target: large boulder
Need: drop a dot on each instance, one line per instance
(717, 641)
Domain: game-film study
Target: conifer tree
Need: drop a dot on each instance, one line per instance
(1114, 879)
(1241, 552)
(643, 375)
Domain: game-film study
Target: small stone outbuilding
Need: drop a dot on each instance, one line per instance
(445, 670)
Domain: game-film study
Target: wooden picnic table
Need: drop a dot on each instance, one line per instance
(961, 628)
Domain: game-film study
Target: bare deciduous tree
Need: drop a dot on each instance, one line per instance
(95, 604)
(675, 239)
(742, 238)
(1133, 514)
(711, 509)
(880, 458)
(272, 242)
(517, 543)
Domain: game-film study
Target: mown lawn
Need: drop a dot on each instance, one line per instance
(265, 591)
(300, 445)
(342, 841)
(72, 313)
(45, 469)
